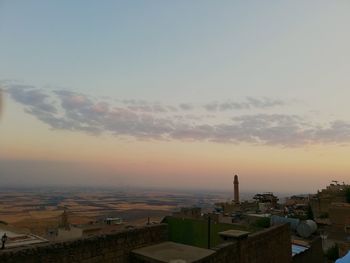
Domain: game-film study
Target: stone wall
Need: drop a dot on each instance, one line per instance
(313, 255)
(225, 253)
(320, 206)
(112, 248)
(321, 203)
(339, 214)
(272, 245)
(194, 212)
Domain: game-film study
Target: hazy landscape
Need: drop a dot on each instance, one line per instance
(174, 131)
(39, 209)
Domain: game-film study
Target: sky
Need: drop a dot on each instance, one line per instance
(175, 94)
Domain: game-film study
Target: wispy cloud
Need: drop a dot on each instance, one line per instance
(249, 103)
(68, 110)
(186, 106)
(35, 99)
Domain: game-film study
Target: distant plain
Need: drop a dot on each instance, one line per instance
(38, 210)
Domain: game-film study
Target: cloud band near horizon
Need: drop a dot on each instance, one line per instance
(68, 110)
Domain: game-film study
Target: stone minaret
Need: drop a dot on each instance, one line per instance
(236, 190)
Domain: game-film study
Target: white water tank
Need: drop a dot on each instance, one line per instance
(277, 220)
(306, 228)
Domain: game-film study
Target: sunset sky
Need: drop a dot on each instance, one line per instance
(175, 94)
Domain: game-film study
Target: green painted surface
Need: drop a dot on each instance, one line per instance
(195, 232)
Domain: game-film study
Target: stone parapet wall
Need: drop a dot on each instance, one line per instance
(313, 255)
(339, 214)
(111, 248)
(272, 245)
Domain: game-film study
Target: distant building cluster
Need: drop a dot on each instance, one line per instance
(302, 229)
(68, 231)
(331, 210)
(263, 212)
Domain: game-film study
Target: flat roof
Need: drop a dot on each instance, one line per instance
(234, 233)
(297, 249)
(258, 215)
(172, 252)
(18, 239)
(9, 234)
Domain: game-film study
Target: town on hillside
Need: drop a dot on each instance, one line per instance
(304, 228)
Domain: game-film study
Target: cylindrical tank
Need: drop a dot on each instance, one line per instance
(306, 228)
(277, 220)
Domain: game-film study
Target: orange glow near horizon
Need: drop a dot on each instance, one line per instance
(175, 163)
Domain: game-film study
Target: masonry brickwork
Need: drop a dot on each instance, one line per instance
(272, 245)
(339, 215)
(313, 255)
(112, 248)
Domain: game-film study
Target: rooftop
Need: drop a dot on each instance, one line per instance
(17, 239)
(236, 234)
(172, 252)
(297, 249)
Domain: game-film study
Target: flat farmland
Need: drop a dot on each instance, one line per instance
(40, 209)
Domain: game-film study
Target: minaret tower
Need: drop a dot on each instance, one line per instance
(236, 190)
